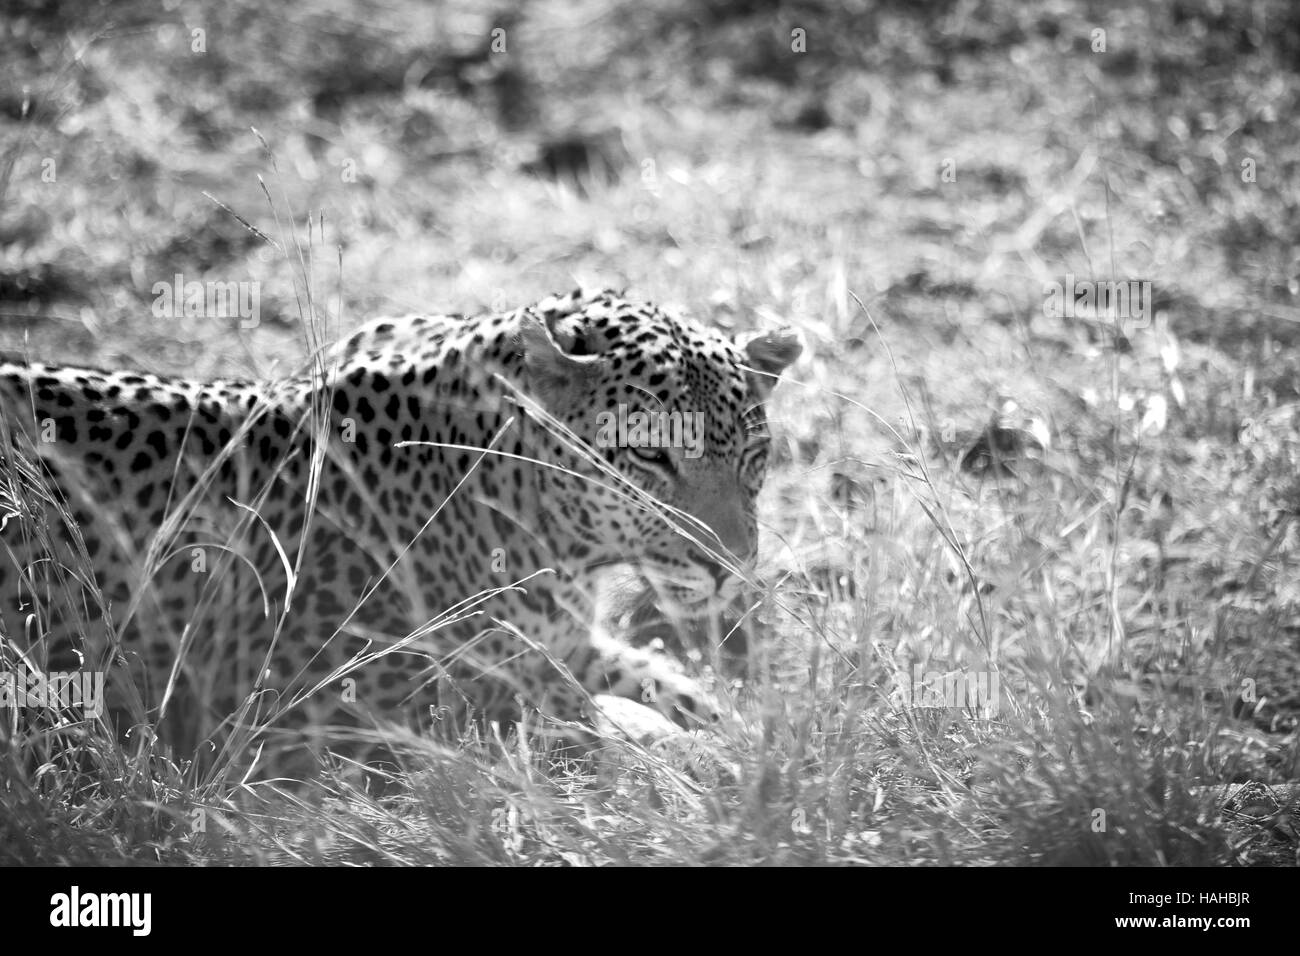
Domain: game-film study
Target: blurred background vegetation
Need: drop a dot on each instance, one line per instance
(758, 162)
(431, 145)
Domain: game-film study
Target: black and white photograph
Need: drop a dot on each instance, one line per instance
(651, 433)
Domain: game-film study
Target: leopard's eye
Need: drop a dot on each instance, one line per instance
(653, 456)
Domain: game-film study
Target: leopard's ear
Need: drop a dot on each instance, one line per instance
(768, 354)
(555, 363)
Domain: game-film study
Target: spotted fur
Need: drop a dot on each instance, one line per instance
(461, 515)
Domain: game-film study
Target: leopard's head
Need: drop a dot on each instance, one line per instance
(667, 440)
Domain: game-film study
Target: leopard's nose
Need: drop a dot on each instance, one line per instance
(731, 540)
(719, 573)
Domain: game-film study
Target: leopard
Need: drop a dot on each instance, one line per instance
(411, 526)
